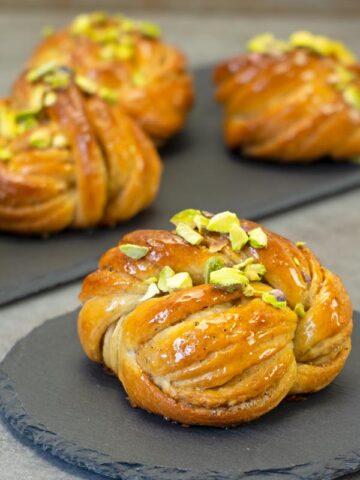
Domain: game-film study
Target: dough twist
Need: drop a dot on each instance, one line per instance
(208, 355)
(291, 103)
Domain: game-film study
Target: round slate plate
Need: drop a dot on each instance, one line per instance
(70, 407)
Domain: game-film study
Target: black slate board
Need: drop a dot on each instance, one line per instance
(199, 173)
(71, 408)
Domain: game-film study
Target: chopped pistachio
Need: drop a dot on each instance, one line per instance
(185, 216)
(26, 123)
(126, 24)
(105, 35)
(151, 280)
(86, 84)
(255, 271)
(249, 291)
(299, 310)
(40, 139)
(149, 29)
(189, 234)
(47, 31)
(124, 52)
(24, 115)
(40, 71)
(164, 275)
(275, 298)
(58, 79)
(351, 96)
(212, 264)
(245, 263)
(5, 154)
(151, 292)
(60, 141)
(50, 99)
(201, 222)
(228, 278)
(223, 222)
(300, 244)
(82, 23)
(134, 251)
(108, 52)
(238, 238)
(7, 123)
(258, 238)
(266, 43)
(343, 76)
(37, 99)
(108, 95)
(179, 281)
(138, 79)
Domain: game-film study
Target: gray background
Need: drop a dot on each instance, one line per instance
(331, 227)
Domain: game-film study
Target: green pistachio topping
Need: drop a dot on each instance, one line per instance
(149, 29)
(108, 52)
(272, 299)
(267, 43)
(59, 141)
(249, 291)
(151, 280)
(351, 96)
(299, 310)
(228, 278)
(58, 79)
(40, 139)
(7, 123)
(40, 71)
(189, 234)
(164, 276)
(223, 222)
(86, 84)
(47, 31)
(255, 271)
(134, 251)
(238, 238)
(26, 123)
(124, 51)
(138, 79)
(50, 99)
(83, 23)
(151, 292)
(212, 264)
(258, 238)
(300, 244)
(5, 154)
(201, 222)
(24, 115)
(179, 281)
(108, 95)
(245, 263)
(185, 216)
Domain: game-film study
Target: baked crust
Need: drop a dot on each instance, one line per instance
(207, 356)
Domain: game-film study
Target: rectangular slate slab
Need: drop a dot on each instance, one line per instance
(199, 173)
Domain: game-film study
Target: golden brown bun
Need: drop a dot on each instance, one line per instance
(106, 171)
(206, 356)
(287, 107)
(152, 85)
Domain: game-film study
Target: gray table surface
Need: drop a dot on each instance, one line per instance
(331, 227)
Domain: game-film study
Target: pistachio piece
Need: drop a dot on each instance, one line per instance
(185, 216)
(149, 29)
(7, 123)
(151, 280)
(258, 238)
(300, 244)
(86, 84)
(138, 79)
(165, 274)
(212, 264)
(124, 51)
(249, 291)
(50, 99)
(108, 94)
(255, 272)
(188, 234)
(133, 251)
(179, 281)
(276, 298)
(108, 52)
(40, 139)
(126, 24)
(244, 263)
(47, 31)
(40, 71)
(26, 123)
(5, 154)
(228, 278)
(59, 141)
(223, 222)
(151, 292)
(299, 310)
(238, 238)
(201, 222)
(351, 96)
(266, 43)
(58, 79)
